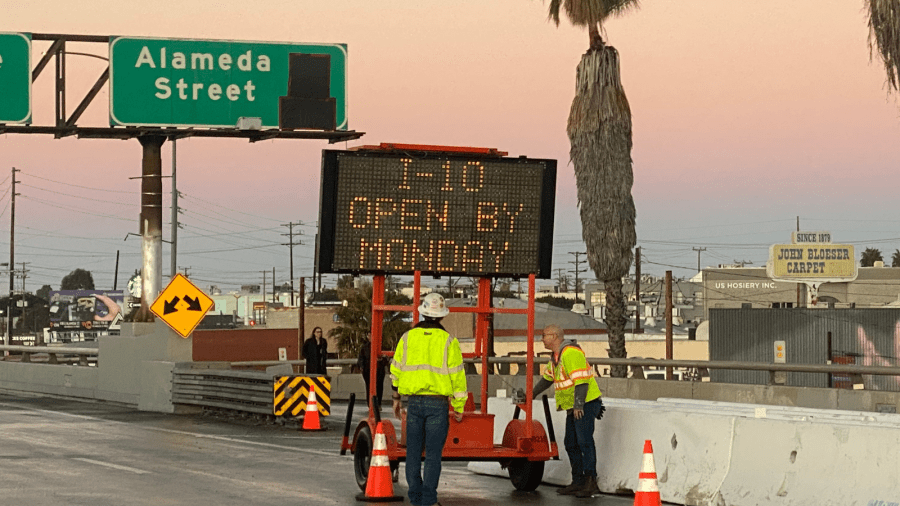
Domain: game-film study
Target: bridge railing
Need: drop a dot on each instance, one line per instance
(55, 354)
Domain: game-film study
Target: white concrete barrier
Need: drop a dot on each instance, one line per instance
(715, 454)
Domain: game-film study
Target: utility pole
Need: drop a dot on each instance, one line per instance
(23, 299)
(639, 306)
(316, 276)
(291, 245)
(264, 286)
(301, 314)
(798, 284)
(577, 271)
(698, 250)
(24, 275)
(12, 258)
(174, 250)
(560, 279)
(273, 285)
(670, 348)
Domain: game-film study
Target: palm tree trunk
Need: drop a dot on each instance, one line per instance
(615, 324)
(599, 130)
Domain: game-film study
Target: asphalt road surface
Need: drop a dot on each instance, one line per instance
(63, 452)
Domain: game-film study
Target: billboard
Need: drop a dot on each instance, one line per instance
(438, 213)
(815, 262)
(85, 309)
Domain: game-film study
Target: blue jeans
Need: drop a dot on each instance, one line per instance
(579, 441)
(427, 423)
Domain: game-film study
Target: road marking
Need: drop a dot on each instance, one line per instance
(180, 432)
(113, 466)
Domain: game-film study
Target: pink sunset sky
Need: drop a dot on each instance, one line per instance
(746, 116)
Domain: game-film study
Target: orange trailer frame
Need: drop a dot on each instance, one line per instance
(525, 442)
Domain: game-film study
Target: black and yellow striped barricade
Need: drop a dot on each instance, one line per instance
(292, 392)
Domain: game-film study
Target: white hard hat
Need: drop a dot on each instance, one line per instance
(433, 305)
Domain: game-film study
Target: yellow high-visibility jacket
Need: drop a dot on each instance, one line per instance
(428, 361)
(571, 368)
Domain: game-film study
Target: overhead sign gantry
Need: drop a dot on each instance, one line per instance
(174, 88)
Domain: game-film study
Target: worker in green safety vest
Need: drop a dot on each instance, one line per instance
(578, 394)
(428, 369)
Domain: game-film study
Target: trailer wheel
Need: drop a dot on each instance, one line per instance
(362, 456)
(526, 474)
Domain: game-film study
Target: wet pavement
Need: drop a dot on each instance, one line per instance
(58, 451)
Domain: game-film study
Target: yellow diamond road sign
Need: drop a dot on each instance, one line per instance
(182, 305)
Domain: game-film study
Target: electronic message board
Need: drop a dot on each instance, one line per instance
(438, 213)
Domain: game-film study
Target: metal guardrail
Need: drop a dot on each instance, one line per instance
(648, 362)
(55, 354)
(236, 390)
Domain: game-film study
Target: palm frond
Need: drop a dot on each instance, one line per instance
(599, 130)
(884, 37)
(554, 11)
(589, 12)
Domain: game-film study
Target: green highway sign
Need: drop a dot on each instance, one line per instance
(227, 84)
(15, 77)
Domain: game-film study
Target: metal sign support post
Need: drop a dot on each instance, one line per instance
(375, 338)
(151, 223)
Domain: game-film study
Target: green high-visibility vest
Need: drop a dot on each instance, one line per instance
(428, 361)
(571, 368)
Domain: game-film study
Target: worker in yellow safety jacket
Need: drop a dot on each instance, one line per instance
(428, 369)
(577, 393)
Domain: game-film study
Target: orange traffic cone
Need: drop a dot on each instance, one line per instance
(311, 417)
(379, 486)
(647, 493)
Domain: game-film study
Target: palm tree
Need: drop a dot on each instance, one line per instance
(356, 317)
(869, 257)
(895, 258)
(884, 36)
(599, 129)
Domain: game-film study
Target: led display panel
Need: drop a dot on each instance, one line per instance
(439, 213)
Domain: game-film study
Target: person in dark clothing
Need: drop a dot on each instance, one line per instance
(315, 351)
(363, 361)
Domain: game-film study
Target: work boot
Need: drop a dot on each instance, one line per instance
(589, 489)
(577, 484)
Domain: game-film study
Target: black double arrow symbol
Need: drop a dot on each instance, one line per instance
(193, 305)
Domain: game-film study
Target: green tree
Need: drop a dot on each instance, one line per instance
(895, 258)
(79, 279)
(884, 37)
(44, 292)
(556, 301)
(599, 130)
(869, 257)
(31, 316)
(355, 318)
